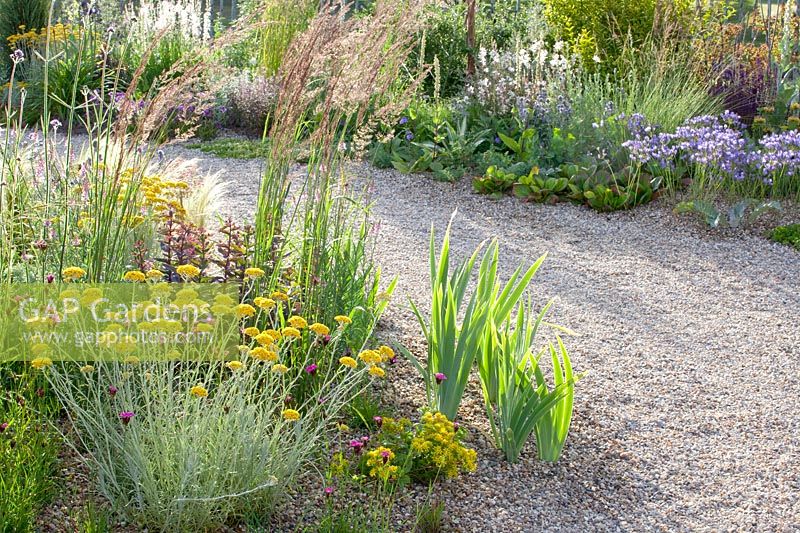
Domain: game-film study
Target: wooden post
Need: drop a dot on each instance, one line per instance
(470, 37)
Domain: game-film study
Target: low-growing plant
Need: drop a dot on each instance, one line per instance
(230, 148)
(789, 235)
(189, 444)
(741, 213)
(28, 458)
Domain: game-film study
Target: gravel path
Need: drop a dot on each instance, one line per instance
(689, 417)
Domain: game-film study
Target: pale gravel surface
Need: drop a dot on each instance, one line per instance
(689, 418)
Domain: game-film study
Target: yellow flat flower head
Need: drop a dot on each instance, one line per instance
(319, 329)
(386, 353)
(291, 415)
(370, 357)
(253, 273)
(377, 371)
(264, 303)
(199, 391)
(234, 365)
(188, 271)
(154, 275)
(343, 320)
(297, 322)
(348, 362)
(280, 369)
(73, 273)
(41, 362)
(263, 354)
(134, 276)
(252, 331)
(290, 333)
(245, 310)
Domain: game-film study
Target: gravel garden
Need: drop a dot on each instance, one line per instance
(400, 265)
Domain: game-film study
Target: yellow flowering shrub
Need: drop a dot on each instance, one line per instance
(379, 462)
(438, 450)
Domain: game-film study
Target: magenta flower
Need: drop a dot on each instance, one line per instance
(112, 390)
(439, 378)
(385, 454)
(328, 491)
(356, 445)
(378, 421)
(312, 368)
(126, 416)
(3, 426)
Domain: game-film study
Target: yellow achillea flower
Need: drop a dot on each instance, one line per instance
(252, 331)
(204, 328)
(274, 333)
(224, 299)
(291, 415)
(199, 391)
(280, 296)
(41, 362)
(243, 348)
(292, 333)
(188, 271)
(131, 360)
(370, 357)
(253, 273)
(87, 369)
(73, 273)
(262, 354)
(264, 303)
(280, 369)
(386, 353)
(377, 371)
(348, 362)
(297, 322)
(135, 276)
(154, 274)
(234, 365)
(319, 329)
(265, 339)
(245, 310)
(343, 319)
(379, 462)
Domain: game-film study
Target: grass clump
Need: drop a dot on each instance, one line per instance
(233, 148)
(789, 235)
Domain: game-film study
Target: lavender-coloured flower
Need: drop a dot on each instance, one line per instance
(18, 56)
(403, 120)
(409, 136)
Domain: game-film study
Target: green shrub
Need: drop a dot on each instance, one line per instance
(600, 27)
(233, 148)
(789, 235)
